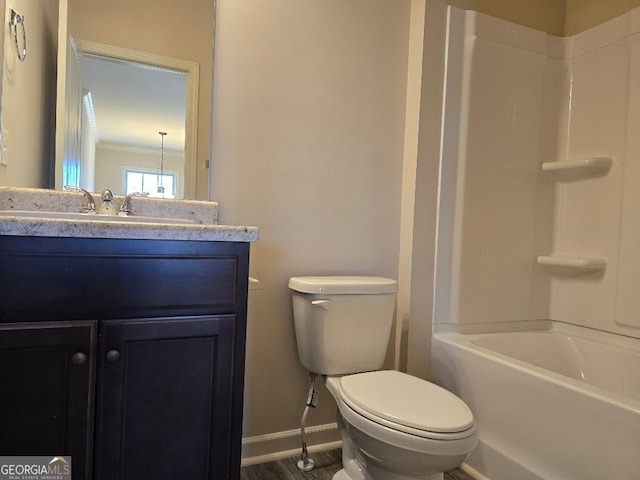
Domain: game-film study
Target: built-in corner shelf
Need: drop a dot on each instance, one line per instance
(578, 169)
(567, 265)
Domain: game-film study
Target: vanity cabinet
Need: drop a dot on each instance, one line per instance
(46, 375)
(163, 407)
(127, 355)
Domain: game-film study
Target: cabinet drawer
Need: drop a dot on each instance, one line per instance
(121, 279)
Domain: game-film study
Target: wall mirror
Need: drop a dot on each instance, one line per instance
(121, 34)
(2, 19)
(131, 122)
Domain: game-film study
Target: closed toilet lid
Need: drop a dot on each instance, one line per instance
(406, 401)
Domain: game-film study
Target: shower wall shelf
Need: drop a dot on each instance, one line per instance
(578, 169)
(566, 265)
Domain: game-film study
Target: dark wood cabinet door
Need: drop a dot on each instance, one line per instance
(164, 399)
(46, 391)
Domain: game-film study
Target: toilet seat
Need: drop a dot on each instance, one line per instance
(407, 404)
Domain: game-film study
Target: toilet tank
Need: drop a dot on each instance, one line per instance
(342, 323)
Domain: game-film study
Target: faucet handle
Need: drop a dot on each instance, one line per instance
(88, 202)
(125, 206)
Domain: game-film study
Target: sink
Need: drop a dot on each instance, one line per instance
(92, 217)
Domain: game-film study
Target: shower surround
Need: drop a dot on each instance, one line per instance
(539, 215)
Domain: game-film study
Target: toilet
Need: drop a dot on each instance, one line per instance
(393, 426)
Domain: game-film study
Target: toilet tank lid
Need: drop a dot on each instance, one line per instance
(342, 285)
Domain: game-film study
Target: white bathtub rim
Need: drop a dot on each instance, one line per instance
(495, 327)
(593, 334)
(463, 341)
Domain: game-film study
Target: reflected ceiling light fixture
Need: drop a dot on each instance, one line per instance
(160, 179)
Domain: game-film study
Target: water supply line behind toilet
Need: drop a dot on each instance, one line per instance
(306, 464)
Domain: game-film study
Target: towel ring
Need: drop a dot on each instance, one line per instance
(15, 20)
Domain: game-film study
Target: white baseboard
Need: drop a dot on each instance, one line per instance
(279, 445)
(472, 472)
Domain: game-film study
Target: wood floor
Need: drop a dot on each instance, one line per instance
(326, 465)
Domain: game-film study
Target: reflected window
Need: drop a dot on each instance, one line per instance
(151, 182)
(71, 172)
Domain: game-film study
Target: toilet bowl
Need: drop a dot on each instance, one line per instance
(393, 426)
(396, 427)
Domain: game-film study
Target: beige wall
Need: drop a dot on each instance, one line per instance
(545, 15)
(28, 96)
(557, 17)
(112, 160)
(164, 27)
(308, 145)
(584, 14)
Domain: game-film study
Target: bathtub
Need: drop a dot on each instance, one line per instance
(562, 403)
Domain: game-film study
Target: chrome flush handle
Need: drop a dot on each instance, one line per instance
(322, 303)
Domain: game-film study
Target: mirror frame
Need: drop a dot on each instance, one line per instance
(192, 71)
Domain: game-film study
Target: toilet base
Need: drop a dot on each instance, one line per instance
(371, 451)
(343, 475)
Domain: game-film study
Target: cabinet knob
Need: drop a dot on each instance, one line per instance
(113, 355)
(78, 358)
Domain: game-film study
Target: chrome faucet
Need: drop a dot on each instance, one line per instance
(88, 203)
(125, 206)
(107, 207)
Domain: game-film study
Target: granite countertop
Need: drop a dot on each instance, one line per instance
(204, 216)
